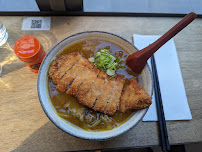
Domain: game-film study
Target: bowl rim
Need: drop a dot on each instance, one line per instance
(69, 132)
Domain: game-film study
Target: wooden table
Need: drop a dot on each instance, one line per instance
(25, 127)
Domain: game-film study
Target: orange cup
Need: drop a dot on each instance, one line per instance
(30, 51)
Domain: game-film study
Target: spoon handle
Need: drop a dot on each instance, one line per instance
(151, 49)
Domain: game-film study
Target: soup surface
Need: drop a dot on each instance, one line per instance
(69, 108)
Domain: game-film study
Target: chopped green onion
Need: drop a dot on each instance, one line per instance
(105, 61)
(91, 59)
(110, 72)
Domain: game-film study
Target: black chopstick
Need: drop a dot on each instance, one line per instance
(160, 113)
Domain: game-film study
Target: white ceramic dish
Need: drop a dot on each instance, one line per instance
(42, 86)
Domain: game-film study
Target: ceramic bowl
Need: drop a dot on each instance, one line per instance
(42, 86)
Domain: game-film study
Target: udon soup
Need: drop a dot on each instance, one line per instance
(68, 106)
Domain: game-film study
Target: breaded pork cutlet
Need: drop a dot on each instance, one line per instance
(73, 90)
(71, 74)
(82, 93)
(134, 97)
(114, 100)
(62, 64)
(94, 88)
(103, 98)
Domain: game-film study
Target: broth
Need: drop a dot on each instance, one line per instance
(69, 108)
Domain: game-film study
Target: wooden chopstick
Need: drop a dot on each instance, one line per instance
(160, 112)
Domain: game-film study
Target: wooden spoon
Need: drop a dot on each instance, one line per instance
(137, 60)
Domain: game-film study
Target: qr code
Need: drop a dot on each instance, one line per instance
(36, 23)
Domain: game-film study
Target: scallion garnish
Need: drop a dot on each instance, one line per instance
(105, 61)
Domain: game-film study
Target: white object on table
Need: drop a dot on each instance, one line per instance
(173, 93)
(36, 23)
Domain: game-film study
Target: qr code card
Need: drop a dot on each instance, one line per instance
(36, 23)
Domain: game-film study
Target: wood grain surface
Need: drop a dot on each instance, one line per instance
(25, 127)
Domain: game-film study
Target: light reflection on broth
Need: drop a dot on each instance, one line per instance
(69, 108)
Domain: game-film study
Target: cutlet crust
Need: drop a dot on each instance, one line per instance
(73, 90)
(82, 94)
(134, 97)
(114, 100)
(61, 65)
